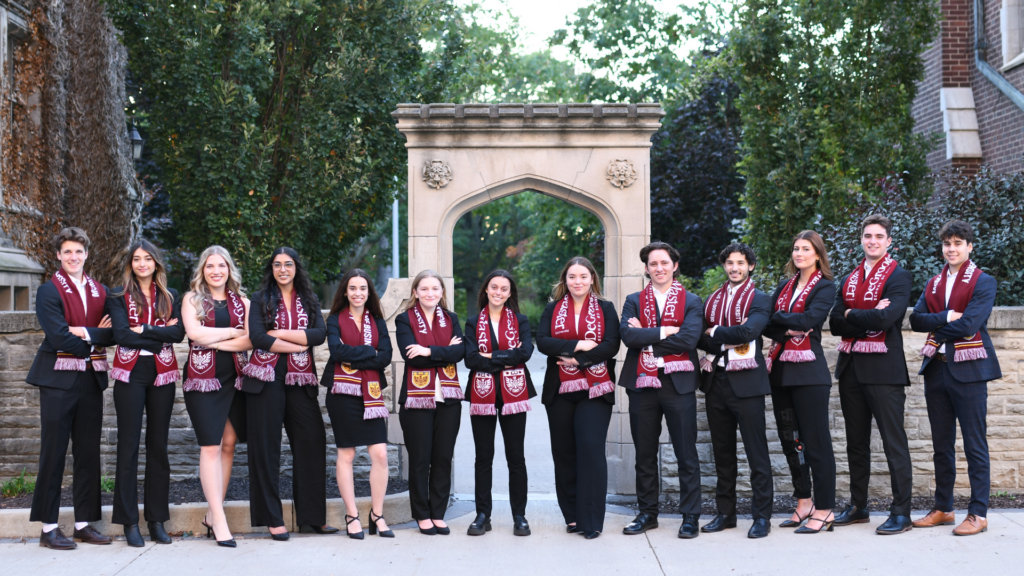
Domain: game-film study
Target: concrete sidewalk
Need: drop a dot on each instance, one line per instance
(854, 549)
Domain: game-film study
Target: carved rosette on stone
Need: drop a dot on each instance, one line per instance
(436, 173)
(621, 173)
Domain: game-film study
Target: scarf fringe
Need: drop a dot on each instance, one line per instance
(347, 388)
(100, 365)
(375, 412)
(865, 347)
(482, 410)
(797, 356)
(70, 364)
(122, 375)
(201, 385)
(648, 382)
(744, 364)
(768, 363)
(602, 389)
(678, 366)
(166, 378)
(576, 385)
(262, 373)
(970, 354)
(929, 350)
(452, 392)
(300, 379)
(518, 407)
(844, 346)
(706, 365)
(238, 383)
(420, 403)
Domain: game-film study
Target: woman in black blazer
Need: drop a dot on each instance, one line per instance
(285, 324)
(498, 345)
(146, 318)
(577, 393)
(431, 398)
(801, 382)
(360, 347)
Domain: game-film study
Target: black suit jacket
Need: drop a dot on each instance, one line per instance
(50, 312)
(888, 368)
(744, 383)
(818, 304)
(636, 339)
(152, 338)
(440, 356)
(259, 324)
(974, 320)
(500, 359)
(359, 357)
(554, 347)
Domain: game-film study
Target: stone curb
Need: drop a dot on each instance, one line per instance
(14, 523)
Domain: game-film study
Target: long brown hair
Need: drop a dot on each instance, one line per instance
(513, 292)
(561, 289)
(164, 305)
(819, 248)
(415, 284)
(340, 301)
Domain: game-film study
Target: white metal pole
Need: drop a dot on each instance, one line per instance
(394, 239)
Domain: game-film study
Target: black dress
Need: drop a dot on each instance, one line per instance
(211, 411)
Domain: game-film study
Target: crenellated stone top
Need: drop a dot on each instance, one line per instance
(549, 112)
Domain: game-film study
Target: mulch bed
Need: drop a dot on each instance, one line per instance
(786, 504)
(192, 491)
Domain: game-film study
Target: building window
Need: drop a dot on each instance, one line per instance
(1011, 28)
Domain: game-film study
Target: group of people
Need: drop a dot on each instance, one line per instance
(233, 396)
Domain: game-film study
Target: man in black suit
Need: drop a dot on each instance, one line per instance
(70, 371)
(959, 362)
(872, 371)
(660, 327)
(734, 379)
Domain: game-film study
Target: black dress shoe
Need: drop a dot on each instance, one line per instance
(573, 529)
(56, 540)
(719, 523)
(760, 528)
(157, 533)
(89, 535)
(852, 515)
(689, 528)
(480, 526)
(133, 537)
(896, 524)
(591, 535)
(282, 537)
(642, 523)
(520, 526)
(304, 529)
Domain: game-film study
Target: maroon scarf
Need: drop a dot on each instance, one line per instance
(796, 349)
(965, 349)
(125, 358)
(300, 364)
(75, 315)
(716, 314)
(514, 393)
(861, 293)
(672, 315)
(353, 382)
(563, 325)
(421, 393)
(201, 371)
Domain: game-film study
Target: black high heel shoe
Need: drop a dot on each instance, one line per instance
(354, 535)
(209, 529)
(796, 524)
(432, 531)
(227, 543)
(373, 526)
(443, 531)
(282, 537)
(826, 525)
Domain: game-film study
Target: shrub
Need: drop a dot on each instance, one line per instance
(17, 486)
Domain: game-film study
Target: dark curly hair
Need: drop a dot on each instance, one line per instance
(740, 247)
(270, 292)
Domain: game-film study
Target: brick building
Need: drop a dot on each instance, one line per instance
(971, 93)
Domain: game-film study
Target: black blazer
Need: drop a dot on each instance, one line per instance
(152, 338)
(50, 312)
(744, 383)
(974, 320)
(500, 359)
(636, 339)
(440, 356)
(359, 357)
(316, 334)
(888, 368)
(554, 347)
(819, 302)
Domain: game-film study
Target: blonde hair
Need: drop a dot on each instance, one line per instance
(202, 299)
(416, 283)
(560, 289)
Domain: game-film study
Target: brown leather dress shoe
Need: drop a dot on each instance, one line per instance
(56, 540)
(971, 525)
(89, 535)
(935, 518)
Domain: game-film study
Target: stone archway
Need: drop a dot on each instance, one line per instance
(591, 155)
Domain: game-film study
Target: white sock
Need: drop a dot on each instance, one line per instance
(80, 525)
(47, 528)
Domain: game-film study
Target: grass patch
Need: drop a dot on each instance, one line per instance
(107, 485)
(17, 486)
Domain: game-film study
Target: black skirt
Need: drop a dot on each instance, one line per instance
(350, 430)
(210, 411)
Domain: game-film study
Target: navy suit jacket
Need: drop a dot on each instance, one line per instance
(974, 320)
(636, 339)
(744, 383)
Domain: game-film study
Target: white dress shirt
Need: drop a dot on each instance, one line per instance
(660, 299)
(729, 293)
(81, 286)
(950, 281)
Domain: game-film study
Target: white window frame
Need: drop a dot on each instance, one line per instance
(1011, 30)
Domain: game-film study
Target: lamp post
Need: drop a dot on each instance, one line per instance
(137, 142)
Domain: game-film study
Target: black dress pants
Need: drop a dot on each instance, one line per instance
(578, 426)
(884, 402)
(430, 439)
(131, 399)
(513, 434)
(803, 411)
(75, 414)
(646, 408)
(725, 412)
(299, 411)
